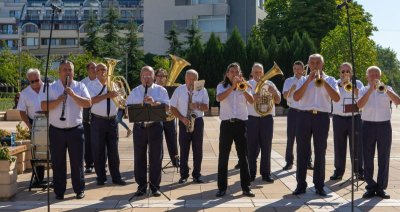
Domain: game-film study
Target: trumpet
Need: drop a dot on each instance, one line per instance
(242, 86)
(380, 87)
(319, 82)
(348, 86)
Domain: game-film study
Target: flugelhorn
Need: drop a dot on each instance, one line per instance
(62, 118)
(380, 87)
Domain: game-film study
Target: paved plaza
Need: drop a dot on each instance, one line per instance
(201, 197)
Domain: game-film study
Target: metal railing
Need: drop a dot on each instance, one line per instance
(9, 32)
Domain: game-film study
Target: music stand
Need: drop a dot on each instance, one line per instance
(147, 113)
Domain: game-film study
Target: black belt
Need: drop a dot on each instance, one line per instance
(314, 111)
(67, 129)
(148, 125)
(104, 117)
(234, 120)
(377, 122)
(292, 108)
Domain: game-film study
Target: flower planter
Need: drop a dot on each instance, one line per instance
(8, 179)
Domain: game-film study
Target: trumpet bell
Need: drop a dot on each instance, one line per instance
(319, 82)
(348, 87)
(242, 86)
(382, 89)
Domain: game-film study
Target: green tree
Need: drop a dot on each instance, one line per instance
(273, 50)
(175, 45)
(111, 40)
(193, 32)
(295, 48)
(235, 51)
(161, 62)
(134, 53)
(256, 52)
(92, 41)
(195, 55)
(214, 65)
(390, 66)
(336, 49)
(307, 48)
(80, 61)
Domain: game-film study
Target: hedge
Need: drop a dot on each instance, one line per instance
(6, 104)
(212, 95)
(7, 95)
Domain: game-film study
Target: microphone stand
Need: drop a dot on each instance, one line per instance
(46, 87)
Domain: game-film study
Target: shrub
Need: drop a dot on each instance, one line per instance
(6, 104)
(212, 95)
(4, 153)
(7, 95)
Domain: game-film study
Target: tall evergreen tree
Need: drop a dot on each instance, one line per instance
(134, 53)
(214, 65)
(285, 65)
(192, 32)
(235, 51)
(308, 47)
(256, 52)
(295, 48)
(175, 45)
(111, 38)
(92, 41)
(273, 50)
(195, 56)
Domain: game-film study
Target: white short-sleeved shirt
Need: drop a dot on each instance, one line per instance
(100, 108)
(233, 106)
(87, 80)
(345, 99)
(377, 107)
(73, 111)
(250, 107)
(29, 101)
(286, 87)
(180, 99)
(316, 98)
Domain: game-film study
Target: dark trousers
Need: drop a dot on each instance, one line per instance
(377, 134)
(316, 125)
(196, 138)
(152, 136)
(171, 139)
(229, 132)
(105, 135)
(88, 146)
(342, 129)
(291, 135)
(259, 136)
(60, 141)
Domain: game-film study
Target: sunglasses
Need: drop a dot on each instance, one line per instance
(345, 72)
(34, 81)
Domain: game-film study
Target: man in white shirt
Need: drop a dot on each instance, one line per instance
(233, 114)
(29, 100)
(197, 105)
(342, 126)
(91, 70)
(260, 128)
(288, 89)
(104, 128)
(376, 131)
(68, 134)
(151, 134)
(170, 134)
(313, 120)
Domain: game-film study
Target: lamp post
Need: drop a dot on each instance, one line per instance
(19, 52)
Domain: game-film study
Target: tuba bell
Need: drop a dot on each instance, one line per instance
(177, 66)
(117, 83)
(267, 99)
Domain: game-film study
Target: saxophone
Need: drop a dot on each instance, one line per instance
(190, 115)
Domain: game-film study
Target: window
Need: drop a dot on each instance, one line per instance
(141, 41)
(209, 23)
(69, 41)
(141, 13)
(260, 3)
(12, 13)
(29, 28)
(45, 41)
(127, 13)
(31, 41)
(209, 1)
(68, 26)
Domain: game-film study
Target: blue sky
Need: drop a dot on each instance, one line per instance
(386, 17)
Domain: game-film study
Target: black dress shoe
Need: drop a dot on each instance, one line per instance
(198, 180)
(252, 179)
(59, 197)
(183, 180)
(268, 178)
(176, 164)
(368, 194)
(88, 170)
(310, 166)
(299, 191)
(119, 182)
(101, 182)
(220, 193)
(237, 166)
(249, 193)
(288, 166)
(382, 194)
(336, 176)
(80, 195)
(320, 191)
(139, 193)
(156, 193)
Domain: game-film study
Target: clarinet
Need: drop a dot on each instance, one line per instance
(145, 93)
(62, 118)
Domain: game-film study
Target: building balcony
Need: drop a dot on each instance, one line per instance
(86, 17)
(70, 17)
(8, 32)
(6, 19)
(32, 17)
(12, 48)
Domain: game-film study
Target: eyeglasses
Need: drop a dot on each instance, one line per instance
(34, 81)
(144, 76)
(345, 72)
(162, 76)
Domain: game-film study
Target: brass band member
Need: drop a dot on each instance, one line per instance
(314, 94)
(188, 105)
(233, 113)
(68, 134)
(288, 89)
(151, 134)
(104, 128)
(29, 100)
(170, 134)
(376, 131)
(342, 128)
(260, 129)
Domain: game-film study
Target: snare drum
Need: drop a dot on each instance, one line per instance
(39, 136)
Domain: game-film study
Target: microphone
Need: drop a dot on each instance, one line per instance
(344, 3)
(54, 7)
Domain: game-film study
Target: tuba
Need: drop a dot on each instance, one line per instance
(267, 99)
(176, 67)
(117, 83)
